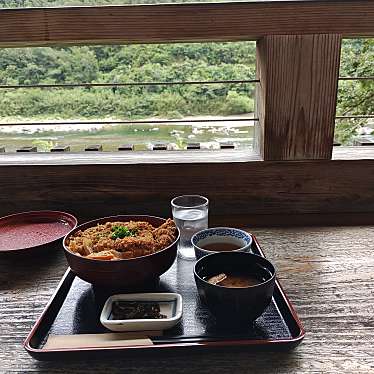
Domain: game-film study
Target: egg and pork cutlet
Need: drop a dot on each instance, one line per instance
(122, 240)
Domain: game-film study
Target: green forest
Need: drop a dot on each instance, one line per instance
(156, 63)
(132, 63)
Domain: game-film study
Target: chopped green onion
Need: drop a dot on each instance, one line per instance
(120, 232)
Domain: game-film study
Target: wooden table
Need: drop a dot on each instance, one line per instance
(328, 273)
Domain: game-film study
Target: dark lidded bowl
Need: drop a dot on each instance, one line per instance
(126, 274)
(235, 306)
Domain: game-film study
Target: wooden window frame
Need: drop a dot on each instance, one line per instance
(293, 169)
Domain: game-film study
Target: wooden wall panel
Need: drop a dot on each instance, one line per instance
(184, 22)
(297, 95)
(236, 189)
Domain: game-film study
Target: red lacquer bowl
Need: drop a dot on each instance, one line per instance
(34, 232)
(122, 274)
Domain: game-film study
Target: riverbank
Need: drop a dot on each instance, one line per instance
(31, 126)
(209, 133)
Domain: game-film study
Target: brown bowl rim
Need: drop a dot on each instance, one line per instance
(98, 220)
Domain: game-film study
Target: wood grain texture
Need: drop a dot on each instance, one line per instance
(322, 275)
(297, 95)
(353, 153)
(166, 157)
(242, 188)
(183, 22)
(140, 157)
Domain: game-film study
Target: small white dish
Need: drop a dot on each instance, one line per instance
(170, 305)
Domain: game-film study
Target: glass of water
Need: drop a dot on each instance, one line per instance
(190, 214)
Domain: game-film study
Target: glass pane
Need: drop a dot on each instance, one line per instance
(355, 97)
(101, 105)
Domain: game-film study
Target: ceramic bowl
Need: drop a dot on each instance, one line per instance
(240, 238)
(235, 306)
(126, 274)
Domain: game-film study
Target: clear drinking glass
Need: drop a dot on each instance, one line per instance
(190, 214)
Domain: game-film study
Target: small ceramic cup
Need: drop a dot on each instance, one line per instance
(217, 235)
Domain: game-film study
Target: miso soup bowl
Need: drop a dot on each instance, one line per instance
(214, 235)
(235, 306)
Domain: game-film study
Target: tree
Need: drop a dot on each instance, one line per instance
(355, 97)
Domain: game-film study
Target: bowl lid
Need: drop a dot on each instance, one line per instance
(29, 230)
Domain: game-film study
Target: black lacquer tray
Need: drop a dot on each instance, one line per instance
(76, 306)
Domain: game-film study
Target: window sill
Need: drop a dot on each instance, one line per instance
(161, 157)
(128, 157)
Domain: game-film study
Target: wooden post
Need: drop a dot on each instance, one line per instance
(296, 96)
